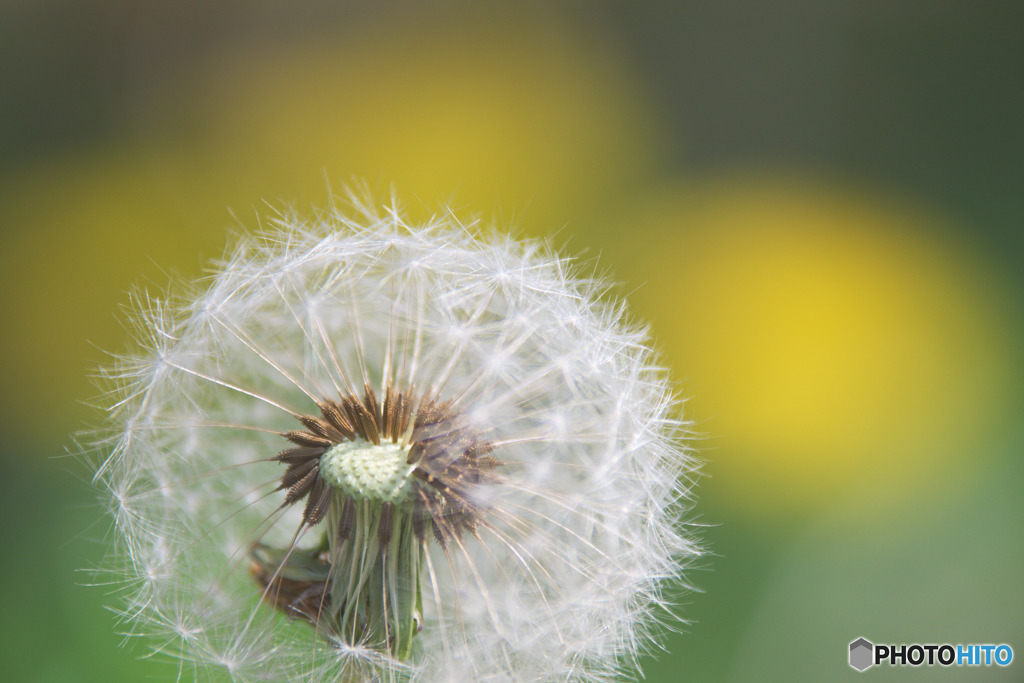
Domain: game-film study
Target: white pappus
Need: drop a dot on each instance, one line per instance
(368, 450)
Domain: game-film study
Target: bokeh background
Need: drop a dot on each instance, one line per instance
(817, 205)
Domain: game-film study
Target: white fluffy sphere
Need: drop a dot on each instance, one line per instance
(556, 564)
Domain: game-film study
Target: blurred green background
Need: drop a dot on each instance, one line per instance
(817, 205)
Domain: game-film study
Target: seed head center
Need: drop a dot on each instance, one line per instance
(369, 472)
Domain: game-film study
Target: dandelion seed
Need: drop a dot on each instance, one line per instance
(375, 451)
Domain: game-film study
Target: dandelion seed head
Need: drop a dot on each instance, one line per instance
(368, 450)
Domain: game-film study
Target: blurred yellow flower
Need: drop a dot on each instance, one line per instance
(504, 113)
(831, 339)
(500, 110)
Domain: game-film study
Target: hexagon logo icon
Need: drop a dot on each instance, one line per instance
(861, 654)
